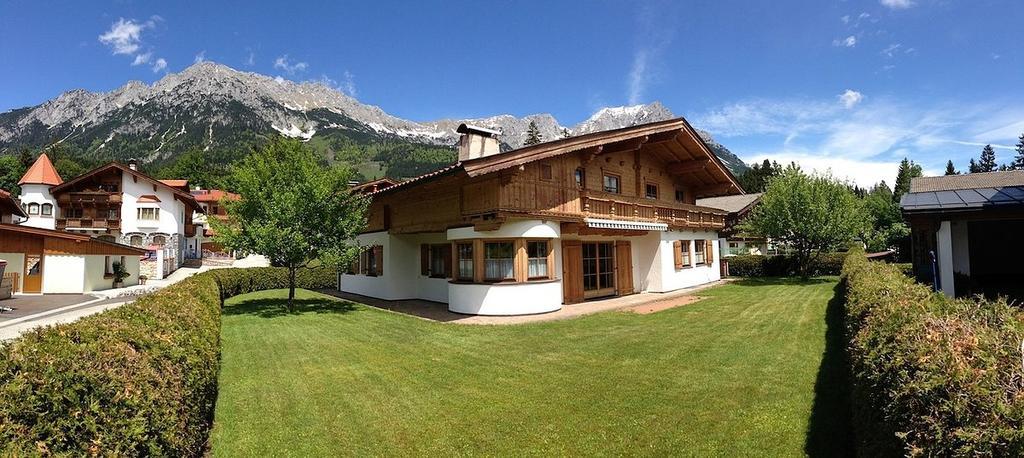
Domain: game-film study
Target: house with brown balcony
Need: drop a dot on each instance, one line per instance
(530, 230)
(116, 203)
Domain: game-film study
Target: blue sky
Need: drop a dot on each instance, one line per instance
(849, 85)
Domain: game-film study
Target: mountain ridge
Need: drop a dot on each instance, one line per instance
(210, 105)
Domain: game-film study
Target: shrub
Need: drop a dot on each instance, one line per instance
(137, 380)
(783, 265)
(931, 375)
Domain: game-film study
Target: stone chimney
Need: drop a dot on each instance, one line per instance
(133, 164)
(477, 142)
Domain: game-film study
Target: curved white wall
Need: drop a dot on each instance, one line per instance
(513, 229)
(664, 277)
(39, 194)
(505, 299)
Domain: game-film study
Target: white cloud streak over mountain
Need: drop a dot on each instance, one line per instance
(124, 36)
(897, 4)
(847, 42)
(850, 97)
(283, 63)
(159, 65)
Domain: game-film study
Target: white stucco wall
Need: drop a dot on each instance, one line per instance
(15, 263)
(513, 229)
(95, 268)
(171, 210)
(63, 274)
(664, 277)
(40, 194)
(505, 299)
(961, 247)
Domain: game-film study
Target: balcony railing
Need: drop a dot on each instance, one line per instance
(88, 223)
(546, 198)
(89, 198)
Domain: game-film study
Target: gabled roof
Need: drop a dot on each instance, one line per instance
(147, 199)
(732, 204)
(374, 185)
(85, 240)
(664, 131)
(42, 171)
(184, 196)
(11, 204)
(181, 184)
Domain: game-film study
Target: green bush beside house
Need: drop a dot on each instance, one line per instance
(138, 380)
(931, 376)
(783, 265)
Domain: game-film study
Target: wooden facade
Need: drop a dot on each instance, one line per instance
(658, 172)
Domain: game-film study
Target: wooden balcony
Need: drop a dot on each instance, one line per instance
(88, 223)
(89, 199)
(546, 199)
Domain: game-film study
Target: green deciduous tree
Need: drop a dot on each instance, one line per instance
(293, 209)
(533, 135)
(887, 230)
(950, 170)
(908, 170)
(987, 163)
(809, 213)
(196, 166)
(11, 170)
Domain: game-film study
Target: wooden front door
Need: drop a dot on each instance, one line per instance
(33, 282)
(624, 267)
(572, 272)
(598, 269)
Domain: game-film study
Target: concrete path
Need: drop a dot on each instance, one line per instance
(437, 311)
(45, 310)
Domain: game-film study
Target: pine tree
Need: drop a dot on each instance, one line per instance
(533, 136)
(973, 167)
(1018, 162)
(908, 170)
(950, 170)
(988, 159)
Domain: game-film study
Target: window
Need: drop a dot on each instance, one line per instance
(651, 191)
(680, 195)
(537, 259)
(685, 253)
(611, 184)
(581, 178)
(72, 213)
(159, 240)
(47, 209)
(33, 264)
(136, 240)
(33, 209)
(499, 261)
(465, 254)
(148, 214)
(698, 251)
(108, 266)
(545, 172)
(371, 261)
(436, 260)
(113, 213)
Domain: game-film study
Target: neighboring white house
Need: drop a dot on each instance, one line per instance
(116, 203)
(734, 242)
(528, 231)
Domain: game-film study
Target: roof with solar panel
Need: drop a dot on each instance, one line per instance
(975, 191)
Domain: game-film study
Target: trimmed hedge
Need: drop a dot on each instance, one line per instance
(783, 265)
(137, 380)
(931, 375)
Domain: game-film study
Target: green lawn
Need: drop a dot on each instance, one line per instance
(739, 373)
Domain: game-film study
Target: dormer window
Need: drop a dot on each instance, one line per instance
(33, 209)
(148, 214)
(47, 209)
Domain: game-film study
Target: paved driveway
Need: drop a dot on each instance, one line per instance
(33, 304)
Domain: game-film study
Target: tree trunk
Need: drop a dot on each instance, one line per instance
(291, 288)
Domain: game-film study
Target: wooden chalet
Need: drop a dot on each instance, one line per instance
(525, 231)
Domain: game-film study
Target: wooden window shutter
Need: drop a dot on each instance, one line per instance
(378, 254)
(363, 264)
(424, 259)
(447, 263)
(709, 252)
(677, 253)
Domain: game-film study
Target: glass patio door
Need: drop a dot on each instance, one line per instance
(598, 269)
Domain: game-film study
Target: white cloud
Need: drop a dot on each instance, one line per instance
(124, 36)
(652, 35)
(142, 58)
(283, 63)
(850, 97)
(347, 85)
(200, 57)
(847, 42)
(995, 56)
(159, 65)
(638, 77)
(845, 19)
(891, 50)
(251, 60)
(863, 173)
(897, 4)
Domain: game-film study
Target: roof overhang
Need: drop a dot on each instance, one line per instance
(624, 225)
